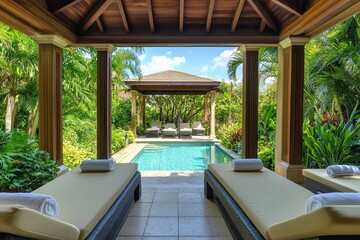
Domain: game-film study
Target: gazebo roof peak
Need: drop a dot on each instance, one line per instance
(172, 76)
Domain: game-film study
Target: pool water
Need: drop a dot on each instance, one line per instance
(179, 156)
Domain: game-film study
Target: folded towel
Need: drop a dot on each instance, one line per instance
(342, 170)
(40, 202)
(334, 198)
(99, 165)
(247, 164)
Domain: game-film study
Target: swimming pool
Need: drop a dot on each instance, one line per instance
(180, 156)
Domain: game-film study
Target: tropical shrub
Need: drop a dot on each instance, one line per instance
(230, 135)
(326, 143)
(73, 154)
(23, 168)
(119, 139)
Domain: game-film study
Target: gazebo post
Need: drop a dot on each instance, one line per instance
(143, 113)
(50, 94)
(104, 100)
(133, 112)
(289, 117)
(250, 101)
(206, 108)
(212, 114)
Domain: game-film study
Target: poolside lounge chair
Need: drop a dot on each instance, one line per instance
(197, 129)
(154, 130)
(185, 130)
(169, 130)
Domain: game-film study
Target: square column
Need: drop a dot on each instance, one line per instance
(212, 114)
(104, 100)
(133, 112)
(206, 108)
(50, 95)
(143, 112)
(289, 117)
(250, 101)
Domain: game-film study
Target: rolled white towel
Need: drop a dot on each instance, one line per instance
(99, 165)
(40, 202)
(335, 198)
(342, 170)
(247, 164)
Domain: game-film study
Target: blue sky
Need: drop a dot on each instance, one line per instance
(207, 62)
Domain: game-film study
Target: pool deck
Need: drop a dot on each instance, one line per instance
(172, 205)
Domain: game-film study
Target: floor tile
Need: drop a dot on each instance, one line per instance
(140, 209)
(218, 226)
(147, 197)
(194, 226)
(190, 197)
(171, 197)
(164, 210)
(148, 190)
(211, 209)
(189, 189)
(133, 226)
(223, 238)
(166, 190)
(162, 226)
(128, 238)
(160, 238)
(191, 209)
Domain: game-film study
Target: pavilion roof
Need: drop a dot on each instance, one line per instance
(172, 82)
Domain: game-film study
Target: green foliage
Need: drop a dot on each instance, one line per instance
(230, 135)
(121, 113)
(326, 143)
(73, 154)
(23, 168)
(119, 139)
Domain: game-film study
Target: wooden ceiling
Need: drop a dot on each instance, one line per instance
(175, 22)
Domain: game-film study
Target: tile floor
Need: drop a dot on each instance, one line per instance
(174, 213)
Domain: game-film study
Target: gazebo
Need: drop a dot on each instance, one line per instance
(251, 24)
(173, 83)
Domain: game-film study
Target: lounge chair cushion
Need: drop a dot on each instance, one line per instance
(84, 198)
(342, 184)
(26, 222)
(329, 220)
(262, 194)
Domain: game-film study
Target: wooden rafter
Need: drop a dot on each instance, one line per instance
(209, 15)
(151, 16)
(95, 14)
(56, 7)
(123, 15)
(288, 7)
(100, 25)
(262, 26)
(181, 16)
(264, 15)
(237, 15)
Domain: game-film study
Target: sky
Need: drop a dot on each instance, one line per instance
(209, 62)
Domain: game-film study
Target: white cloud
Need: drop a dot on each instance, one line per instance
(142, 57)
(222, 59)
(168, 52)
(161, 63)
(204, 68)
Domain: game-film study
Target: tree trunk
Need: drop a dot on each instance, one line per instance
(10, 112)
(33, 122)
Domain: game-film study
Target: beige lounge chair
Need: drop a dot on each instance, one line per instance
(185, 130)
(197, 129)
(169, 130)
(154, 130)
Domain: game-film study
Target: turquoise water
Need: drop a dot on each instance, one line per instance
(179, 156)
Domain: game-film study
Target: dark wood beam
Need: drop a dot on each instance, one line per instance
(100, 25)
(262, 26)
(151, 16)
(237, 15)
(95, 14)
(209, 15)
(263, 14)
(181, 16)
(58, 6)
(288, 7)
(123, 15)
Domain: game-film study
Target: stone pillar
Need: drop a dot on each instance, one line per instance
(250, 101)
(212, 114)
(143, 112)
(289, 118)
(50, 95)
(133, 111)
(206, 108)
(104, 100)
